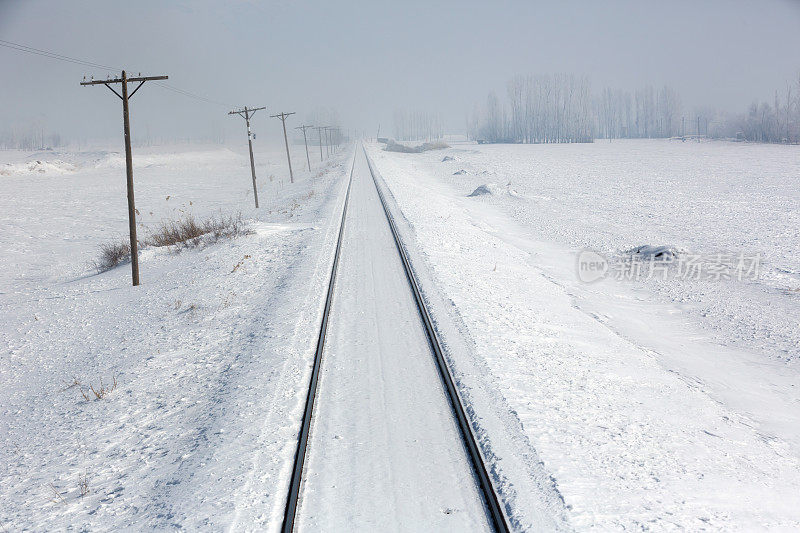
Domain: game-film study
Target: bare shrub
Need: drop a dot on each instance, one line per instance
(112, 254)
(185, 232)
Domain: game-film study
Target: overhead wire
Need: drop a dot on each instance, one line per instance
(51, 55)
(61, 57)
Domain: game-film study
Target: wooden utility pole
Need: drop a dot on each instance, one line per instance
(319, 132)
(328, 141)
(305, 141)
(246, 113)
(123, 80)
(283, 116)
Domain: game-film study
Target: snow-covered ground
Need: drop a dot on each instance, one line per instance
(655, 404)
(210, 354)
(652, 403)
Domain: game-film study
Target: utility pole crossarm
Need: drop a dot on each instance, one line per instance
(249, 110)
(119, 80)
(282, 116)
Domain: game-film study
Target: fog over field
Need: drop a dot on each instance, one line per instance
(369, 60)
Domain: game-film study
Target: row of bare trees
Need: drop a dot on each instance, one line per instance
(776, 123)
(646, 113)
(29, 139)
(543, 109)
(417, 125)
(562, 108)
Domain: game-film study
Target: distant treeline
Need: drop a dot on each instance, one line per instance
(29, 140)
(35, 136)
(562, 109)
(417, 125)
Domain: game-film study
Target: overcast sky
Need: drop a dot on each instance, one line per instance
(367, 58)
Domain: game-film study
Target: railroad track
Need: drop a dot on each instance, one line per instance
(492, 503)
(305, 427)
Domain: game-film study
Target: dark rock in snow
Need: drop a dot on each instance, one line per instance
(663, 253)
(459, 172)
(480, 191)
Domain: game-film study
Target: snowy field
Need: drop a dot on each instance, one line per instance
(652, 403)
(209, 355)
(613, 405)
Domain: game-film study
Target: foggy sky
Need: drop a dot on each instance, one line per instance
(366, 59)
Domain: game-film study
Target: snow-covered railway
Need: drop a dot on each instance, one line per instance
(388, 449)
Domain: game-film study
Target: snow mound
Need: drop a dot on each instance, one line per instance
(55, 166)
(111, 161)
(648, 251)
(448, 158)
(394, 146)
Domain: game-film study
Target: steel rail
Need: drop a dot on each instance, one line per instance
(494, 507)
(305, 426)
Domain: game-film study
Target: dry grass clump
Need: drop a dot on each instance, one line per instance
(240, 263)
(112, 254)
(184, 233)
(100, 392)
(83, 484)
(188, 231)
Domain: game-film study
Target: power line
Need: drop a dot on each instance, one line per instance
(190, 95)
(52, 55)
(60, 57)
